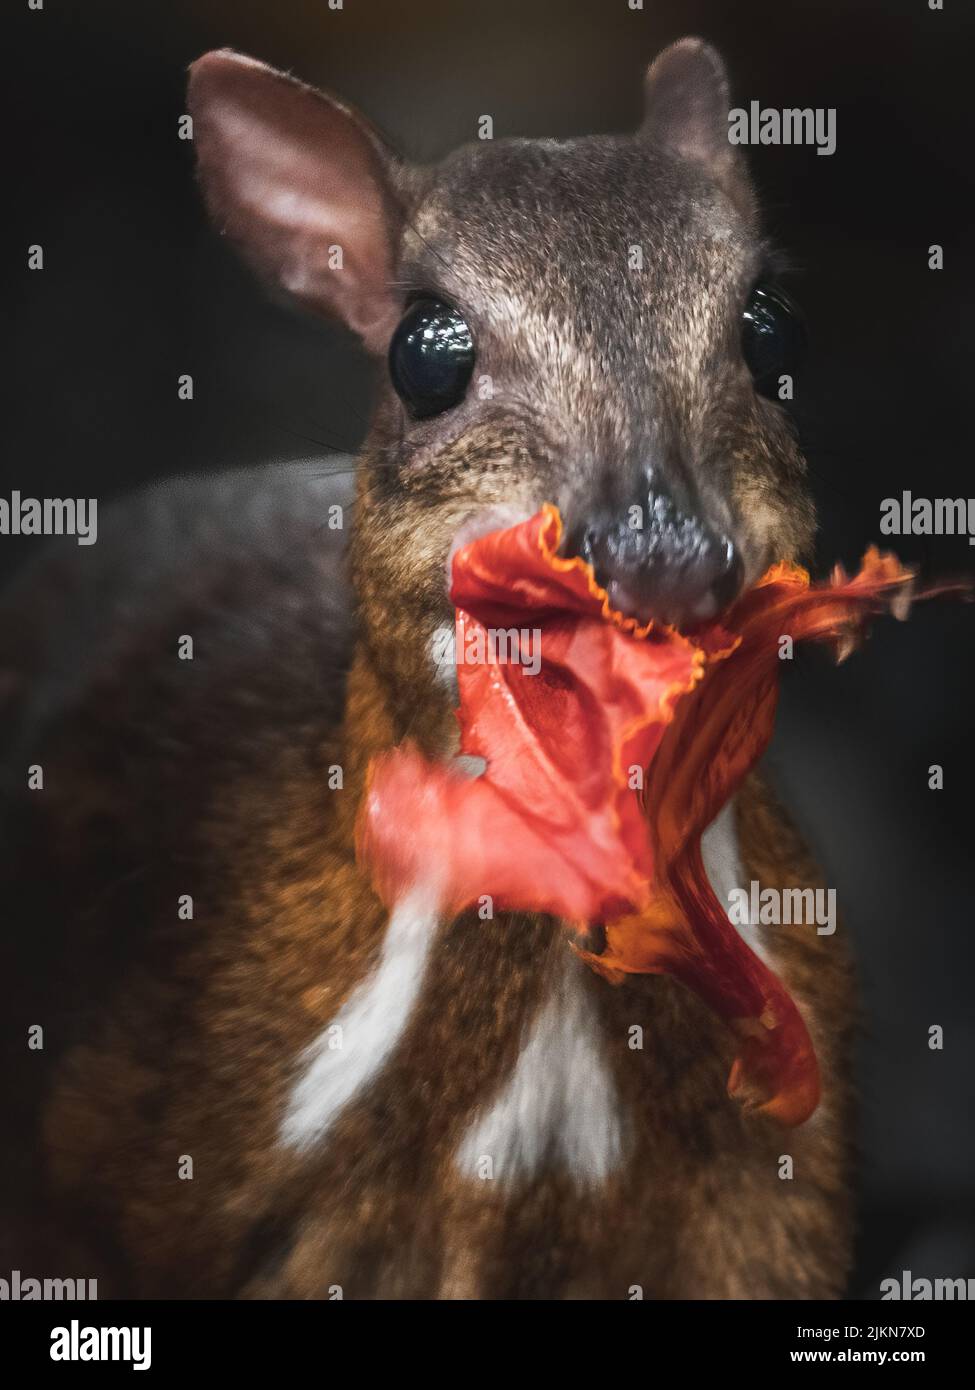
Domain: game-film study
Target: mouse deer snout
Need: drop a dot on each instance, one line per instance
(658, 562)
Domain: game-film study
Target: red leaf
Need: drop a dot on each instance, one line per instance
(555, 825)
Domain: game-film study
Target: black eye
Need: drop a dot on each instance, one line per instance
(431, 358)
(773, 338)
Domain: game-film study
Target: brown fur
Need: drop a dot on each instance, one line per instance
(168, 1038)
(193, 1053)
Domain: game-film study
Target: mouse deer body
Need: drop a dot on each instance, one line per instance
(256, 1082)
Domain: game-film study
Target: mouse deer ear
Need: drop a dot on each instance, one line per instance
(687, 98)
(302, 185)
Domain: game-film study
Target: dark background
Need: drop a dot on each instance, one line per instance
(136, 291)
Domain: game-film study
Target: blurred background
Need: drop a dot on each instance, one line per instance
(136, 291)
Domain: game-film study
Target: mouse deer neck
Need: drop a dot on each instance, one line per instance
(384, 708)
(380, 713)
(400, 679)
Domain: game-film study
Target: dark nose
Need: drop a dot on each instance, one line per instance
(674, 568)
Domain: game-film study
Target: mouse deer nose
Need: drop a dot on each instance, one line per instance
(656, 562)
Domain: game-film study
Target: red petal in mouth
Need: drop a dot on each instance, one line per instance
(607, 755)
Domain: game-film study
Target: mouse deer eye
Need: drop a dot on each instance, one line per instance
(773, 337)
(431, 358)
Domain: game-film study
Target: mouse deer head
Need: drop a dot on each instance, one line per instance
(590, 322)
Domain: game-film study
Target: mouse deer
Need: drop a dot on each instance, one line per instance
(255, 1082)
